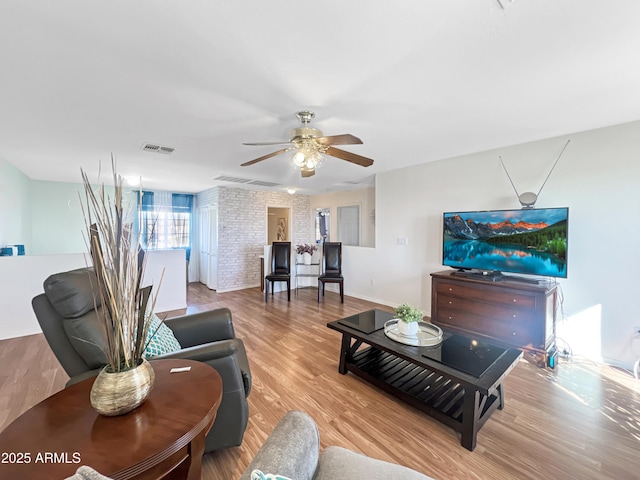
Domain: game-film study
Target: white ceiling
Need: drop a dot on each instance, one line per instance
(416, 80)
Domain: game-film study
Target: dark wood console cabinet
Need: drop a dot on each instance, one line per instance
(515, 313)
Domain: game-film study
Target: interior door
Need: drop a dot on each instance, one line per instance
(208, 260)
(203, 254)
(213, 248)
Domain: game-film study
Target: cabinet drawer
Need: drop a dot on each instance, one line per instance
(493, 295)
(471, 321)
(484, 308)
(509, 330)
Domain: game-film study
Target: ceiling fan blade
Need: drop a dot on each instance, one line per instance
(257, 144)
(307, 172)
(349, 157)
(345, 139)
(264, 157)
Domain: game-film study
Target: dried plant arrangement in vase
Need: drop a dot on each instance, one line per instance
(118, 261)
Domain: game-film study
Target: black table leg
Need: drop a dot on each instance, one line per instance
(500, 391)
(470, 417)
(344, 352)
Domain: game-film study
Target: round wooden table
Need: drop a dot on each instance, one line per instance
(163, 438)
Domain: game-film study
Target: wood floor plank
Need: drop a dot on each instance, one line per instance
(580, 421)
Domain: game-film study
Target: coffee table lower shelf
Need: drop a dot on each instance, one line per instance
(464, 410)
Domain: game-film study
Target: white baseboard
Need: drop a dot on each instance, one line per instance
(370, 299)
(235, 289)
(616, 363)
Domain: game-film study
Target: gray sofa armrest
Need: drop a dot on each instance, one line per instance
(87, 473)
(338, 462)
(227, 356)
(203, 327)
(204, 352)
(291, 450)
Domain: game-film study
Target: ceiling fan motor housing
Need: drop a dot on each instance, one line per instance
(305, 132)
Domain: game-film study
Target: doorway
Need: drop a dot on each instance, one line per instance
(322, 224)
(278, 224)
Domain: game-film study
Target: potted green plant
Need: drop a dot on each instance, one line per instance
(408, 318)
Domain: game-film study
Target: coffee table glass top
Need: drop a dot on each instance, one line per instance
(367, 322)
(465, 354)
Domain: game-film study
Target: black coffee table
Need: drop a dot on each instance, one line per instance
(458, 382)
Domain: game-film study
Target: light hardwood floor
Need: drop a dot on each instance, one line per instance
(580, 421)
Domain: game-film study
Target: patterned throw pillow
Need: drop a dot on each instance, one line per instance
(160, 338)
(258, 475)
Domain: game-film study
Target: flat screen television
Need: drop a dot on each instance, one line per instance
(523, 241)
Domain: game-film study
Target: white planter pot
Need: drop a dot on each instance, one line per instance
(407, 328)
(306, 258)
(300, 258)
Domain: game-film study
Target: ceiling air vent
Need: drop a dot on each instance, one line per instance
(248, 181)
(150, 147)
(263, 184)
(224, 178)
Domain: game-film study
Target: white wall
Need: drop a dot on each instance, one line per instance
(364, 197)
(166, 270)
(15, 224)
(21, 279)
(58, 224)
(598, 178)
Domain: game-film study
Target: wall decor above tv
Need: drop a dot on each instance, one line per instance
(523, 241)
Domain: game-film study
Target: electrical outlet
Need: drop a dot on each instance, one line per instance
(636, 331)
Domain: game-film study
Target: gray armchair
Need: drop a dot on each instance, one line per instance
(66, 313)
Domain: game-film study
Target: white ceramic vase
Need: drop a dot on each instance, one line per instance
(410, 328)
(306, 258)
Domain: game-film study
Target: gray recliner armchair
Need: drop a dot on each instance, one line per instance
(66, 313)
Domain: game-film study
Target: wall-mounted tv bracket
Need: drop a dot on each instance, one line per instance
(528, 199)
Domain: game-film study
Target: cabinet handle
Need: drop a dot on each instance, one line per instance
(450, 289)
(514, 315)
(515, 300)
(450, 302)
(514, 334)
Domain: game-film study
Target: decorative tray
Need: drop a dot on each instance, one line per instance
(428, 335)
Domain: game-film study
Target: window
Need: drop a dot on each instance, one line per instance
(166, 221)
(166, 230)
(349, 225)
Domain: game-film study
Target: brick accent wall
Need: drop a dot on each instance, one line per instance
(242, 230)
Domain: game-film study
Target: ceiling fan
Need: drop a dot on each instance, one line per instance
(310, 144)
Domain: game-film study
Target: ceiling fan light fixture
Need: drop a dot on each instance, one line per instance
(317, 159)
(299, 159)
(307, 158)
